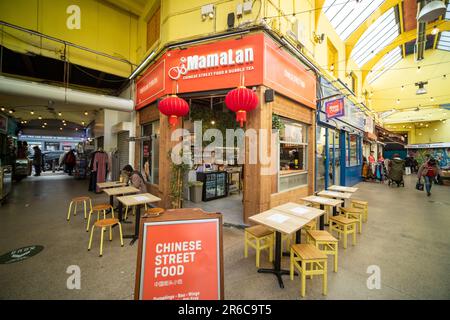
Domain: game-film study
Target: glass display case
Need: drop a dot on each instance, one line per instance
(214, 184)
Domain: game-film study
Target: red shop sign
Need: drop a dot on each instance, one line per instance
(180, 259)
(334, 108)
(251, 60)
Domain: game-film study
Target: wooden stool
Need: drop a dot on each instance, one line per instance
(354, 213)
(76, 201)
(260, 238)
(133, 211)
(360, 204)
(153, 212)
(309, 261)
(325, 242)
(99, 208)
(103, 224)
(344, 226)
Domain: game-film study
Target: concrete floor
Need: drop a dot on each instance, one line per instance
(407, 236)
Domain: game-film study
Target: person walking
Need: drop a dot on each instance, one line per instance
(70, 161)
(428, 170)
(37, 161)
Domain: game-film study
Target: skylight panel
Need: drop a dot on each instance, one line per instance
(347, 15)
(382, 32)
(387, 62)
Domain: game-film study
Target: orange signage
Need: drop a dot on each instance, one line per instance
(286, 75)
(251, 60)
(180, 260)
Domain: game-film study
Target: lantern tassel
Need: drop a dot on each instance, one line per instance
(173, 121)
(241, 117)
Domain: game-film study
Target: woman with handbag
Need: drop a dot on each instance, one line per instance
(429, 170)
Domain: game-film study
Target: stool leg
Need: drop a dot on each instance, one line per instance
(104, 214)
(112, 212)
(90, 238)
(291, 267)
(245, 244)
(120, 233)
(345, 237)
(90, 203)
(75, 212)
(70, 209)
(101, 241)
(85, 213)
(325, 276)
(271, 248)
(360, 224)
(303, 287)
(126, 213)
(257, 252)
(89, 220)
(336, 258)
(354, 234)
(110, 233)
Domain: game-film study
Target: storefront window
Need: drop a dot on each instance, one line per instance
(321, 157)
(293, 155)
(150, 152)
(353, 149)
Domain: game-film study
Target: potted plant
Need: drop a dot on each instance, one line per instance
(195, 191)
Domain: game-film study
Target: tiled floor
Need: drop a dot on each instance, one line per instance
(407, 237)
(231, 208)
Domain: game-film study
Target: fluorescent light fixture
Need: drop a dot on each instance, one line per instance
(142, 66)
(431, 11)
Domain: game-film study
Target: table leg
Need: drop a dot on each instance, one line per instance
(321, 219)
(335, 211)
(135, 236)
(298, 236)
(111, 201)
(277, 271)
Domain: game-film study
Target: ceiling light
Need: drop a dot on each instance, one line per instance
(65, 124)
(11, 111)
(59, 114)
(435, 31)
(76, 129)
(426, 125)
(432, 99)
(82, 122)
(45, 123)
(421, 86)
(435, 129)
(25, 121)
(40, 118)
(398, 101)
(213, 122)
(421, 124)
(86, 113)
(431, 11)
(43, 126)
(3, 108)
(31, 112)
(60, 128)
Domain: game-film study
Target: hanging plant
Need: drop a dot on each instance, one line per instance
(276, 122)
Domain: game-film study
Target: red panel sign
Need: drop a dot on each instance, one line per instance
(334, 108)
(152, 85)
(286, 75)
(251, 60)
(217, 65)
(180, 260)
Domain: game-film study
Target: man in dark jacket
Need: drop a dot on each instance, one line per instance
(37, 161)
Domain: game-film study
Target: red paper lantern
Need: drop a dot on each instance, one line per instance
(241, 100)
(173, 107)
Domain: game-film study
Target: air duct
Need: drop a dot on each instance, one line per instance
(42, 91)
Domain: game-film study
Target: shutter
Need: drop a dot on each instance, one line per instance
(123, 148)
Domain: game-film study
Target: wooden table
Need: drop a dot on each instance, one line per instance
(111, 192)
(323, 201)
(342, 189)
(111, 184)
(335, 195)
(136, 200)
(281, 222)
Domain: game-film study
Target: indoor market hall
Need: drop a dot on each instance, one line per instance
(225, 150)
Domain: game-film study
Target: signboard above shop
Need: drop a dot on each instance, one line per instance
(249, 60)
(334, 108)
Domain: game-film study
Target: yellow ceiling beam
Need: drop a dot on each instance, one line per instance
(351, 41)
(443, 25)
(318, 11)
(128, 5)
